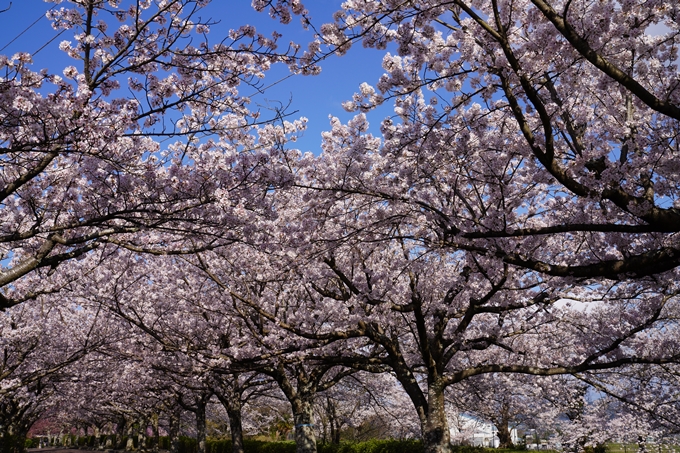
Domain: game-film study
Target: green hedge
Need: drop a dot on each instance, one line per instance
(259, 446)
(374, 446)
(10, 443)
(596, 449)
(188, 445)
(394, 446)
(164, 443)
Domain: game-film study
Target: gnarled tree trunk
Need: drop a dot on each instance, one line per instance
(236, 427)
(435, 429)
(156, 433)
(305, 438)
(504, 435)
(231, 401)
(174, 430)
(201, 404)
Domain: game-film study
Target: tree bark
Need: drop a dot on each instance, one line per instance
(156, 433)
(335, 431)
(201, 404)
(130, 445)
(502, 422)
(305, 439)
(504, 438)
(231, 400)
(435, 429)
(13, 439)
(174, 431)
(236, 427)
(334, 422)
(120, 434)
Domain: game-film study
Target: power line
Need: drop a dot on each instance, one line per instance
(47, 43)
(28, 28)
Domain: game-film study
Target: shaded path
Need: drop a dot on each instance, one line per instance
(68, 450)
(53, 450)
(75, 449)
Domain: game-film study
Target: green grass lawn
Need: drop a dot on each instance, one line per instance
(633, 448)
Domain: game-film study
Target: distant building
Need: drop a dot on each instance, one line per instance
(468, 430)
(541, 445)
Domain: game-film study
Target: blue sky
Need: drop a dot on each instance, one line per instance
(314, 97)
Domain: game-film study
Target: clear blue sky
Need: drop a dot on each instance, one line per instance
(313, 97)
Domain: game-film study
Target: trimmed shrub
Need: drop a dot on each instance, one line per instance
(601, 448)
(187, 445)
(218, 446)
(374, 446)
(164, 443)
(10, 443)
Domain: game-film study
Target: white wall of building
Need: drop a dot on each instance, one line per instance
(466, 429)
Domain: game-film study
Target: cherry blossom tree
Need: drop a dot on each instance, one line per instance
(518, 214)
(640, 396)
(157, 375)
(115, 390)
(530, 160)
(432, 317)
(144, 141)
(504, 400)
(557, 150)
(203, 345)
(366, 406)
(249, 288)
(41, 341)
(234, 391)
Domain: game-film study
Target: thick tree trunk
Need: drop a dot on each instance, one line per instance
(436, 436)
(130, 445)
(141, 437)
(642, 444)
(333, 421)
(504, 436)
(323, 429)
(502, 422)
(335, 432)
(236, 426)
(13, 439)
(174, 431)
(200, 424)
(120, 434)
(231, 400)
(156, 433)
(305, 439)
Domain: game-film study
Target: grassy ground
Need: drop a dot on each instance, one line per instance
(633, 448)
